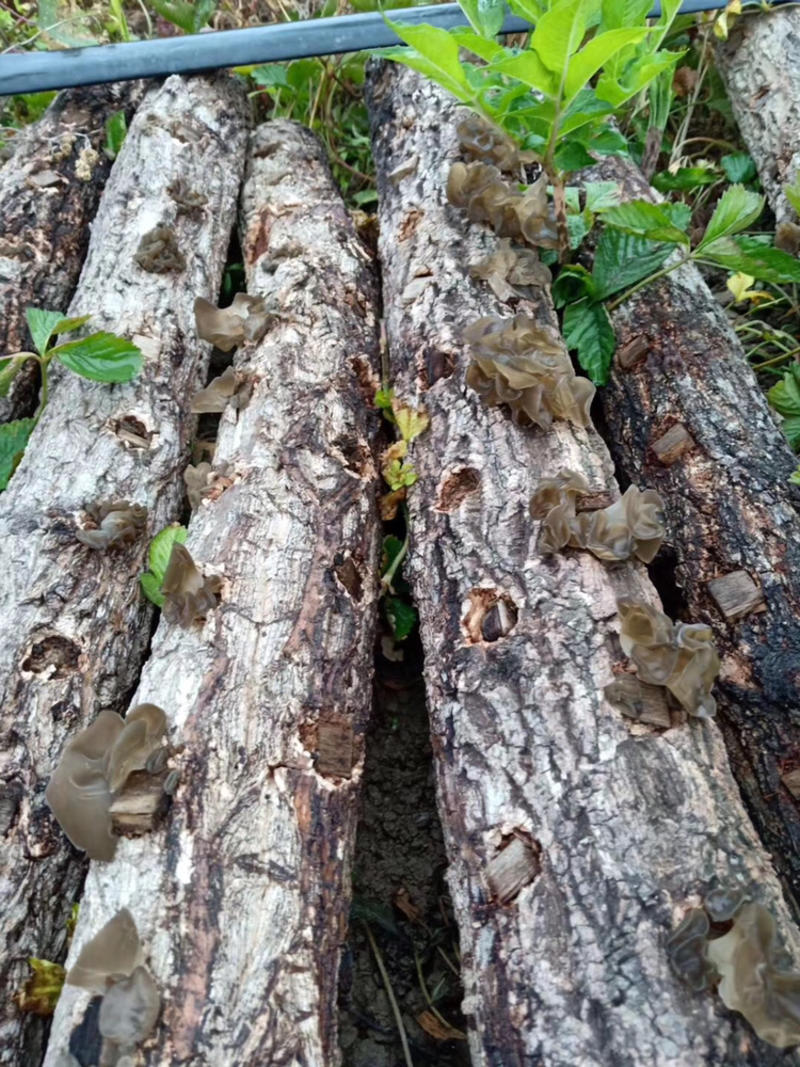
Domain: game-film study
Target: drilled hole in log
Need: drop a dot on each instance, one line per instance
(489, 616)
(516, 865)
(456, 487)
(53, 651)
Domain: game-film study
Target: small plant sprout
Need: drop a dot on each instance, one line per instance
(101, 357)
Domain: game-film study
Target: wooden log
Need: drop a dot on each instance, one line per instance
(242, 896)
(76, 626)
(613, 826)
(760, 65)
(49, 191)
(690, 420)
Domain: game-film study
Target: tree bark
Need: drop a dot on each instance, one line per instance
(760, 65)
(46, 227)
(576, 840)
(242, 897)
(689, 420)
(76, 626)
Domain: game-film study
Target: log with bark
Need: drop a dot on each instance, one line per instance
(49, 191)
(576, 840)
(242, 895)
(760, 65)
(76, 627)
(687, 417)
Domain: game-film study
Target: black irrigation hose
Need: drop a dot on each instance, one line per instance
(35, 71)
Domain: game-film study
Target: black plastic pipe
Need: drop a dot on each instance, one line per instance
(32, 72)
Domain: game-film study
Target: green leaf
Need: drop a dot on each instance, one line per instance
(571, 156)
(68, 325)
(585, 108)
(13, 439)
(433, 53)
(738, 167)
(622, 259)
(160, 551)
(559, 33)
(736, 209)
(785, 396)
(578, 226)
(9, 369)
(271, 76)
(102, 357)
(392, 547)
(573, 283)
(616, 13)
(402, 617)
(750, 256)
(485, 16)
(64, 28)
(531, 10)
(42, 325)
(595, 55)
(685, 178)
(473, 42)
(791, 428)
(617, 89)
(792, 193)
(191, 18)
(600, 196)
(116, 129)
(528, 68)
(608, 142)
(587, 328)
(658, 222)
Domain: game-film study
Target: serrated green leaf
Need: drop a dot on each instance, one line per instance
(622, 259)
(9, 369)
(573, 283)
(785, 396)
(571, 156)
(13, 439)
(608, 142)
(738, 167)
(271, 76)
(67, 325)
(433, 53)
(485, 16)
(116, 129)
(657, 222)
(402, 617)
(596, 54)
(600, 196)
(750, 256)
(791, 428)
(161, 548)
(736, 209)
(42, 324)
(190, 17)
(587, 329)
(102, 357)
(685, 178)
(559, 33)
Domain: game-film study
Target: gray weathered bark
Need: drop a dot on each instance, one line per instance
(613, 827)
(75, 624)
(730, 508)
(242, 897)
(760, 64)
(45, 228)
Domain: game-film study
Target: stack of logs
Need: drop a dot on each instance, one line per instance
(576, 839)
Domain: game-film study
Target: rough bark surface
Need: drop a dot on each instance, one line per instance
(730, 507)
(242, 897)
(45, 228)
(614, 827)
(75, 624)
(760, 64)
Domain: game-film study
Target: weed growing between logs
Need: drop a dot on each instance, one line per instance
(101, 357)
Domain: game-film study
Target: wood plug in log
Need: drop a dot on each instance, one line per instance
(77, 624)
(242, 895)
(631, 821)
(736, 594)
(515, 866)
(139, 806)
(731, 509)
(49, 192)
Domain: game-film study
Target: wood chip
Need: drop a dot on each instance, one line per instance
(632, 352)
(511, 870)
(335, 749)
(673, 444)
(736, 594)
(135, 811)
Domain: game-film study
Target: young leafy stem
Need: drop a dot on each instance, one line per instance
(101, 357)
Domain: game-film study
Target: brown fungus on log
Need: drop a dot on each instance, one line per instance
(511, 272)
(204, 482)
(188, 595)
(94, 766)
(158, 252)
(686, 950)
(216, 395)
(679, 656)
(632, 526)
(116, 523)
(787, 237)
(639, 701)
(482, 191)
(526, 366)
(483, 143)
(245, 320)
(114, 950)
(189, 202)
